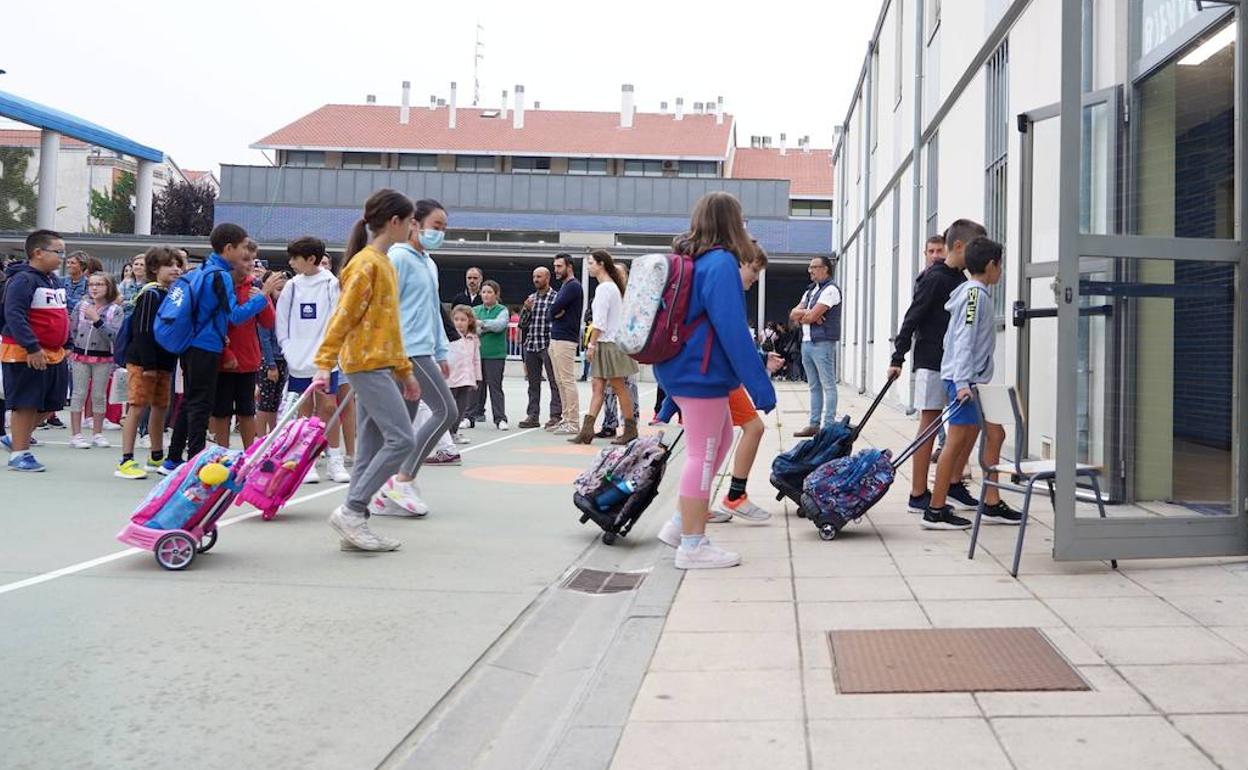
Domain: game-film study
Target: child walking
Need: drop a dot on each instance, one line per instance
(706, 370)
(95, 323)
(465, 364)
(363, 338)
(969, 345)
(235, 397)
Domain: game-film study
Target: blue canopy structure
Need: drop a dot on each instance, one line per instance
(40, 116)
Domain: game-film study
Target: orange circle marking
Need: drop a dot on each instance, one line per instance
(560, 475)
(570, 449)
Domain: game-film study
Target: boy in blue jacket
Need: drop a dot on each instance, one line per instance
(216, 309)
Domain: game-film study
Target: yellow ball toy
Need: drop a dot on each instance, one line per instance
(214, 474)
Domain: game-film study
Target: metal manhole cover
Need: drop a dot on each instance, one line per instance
(595, 581)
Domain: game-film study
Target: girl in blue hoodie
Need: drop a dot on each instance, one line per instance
(718, 356)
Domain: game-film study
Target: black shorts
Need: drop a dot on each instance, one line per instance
(43, 390)
(236, 395)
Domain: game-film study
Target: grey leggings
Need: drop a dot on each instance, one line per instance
(445, 414)
(97, 375)
(384, 434)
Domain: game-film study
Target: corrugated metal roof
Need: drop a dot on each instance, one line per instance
(42, 116)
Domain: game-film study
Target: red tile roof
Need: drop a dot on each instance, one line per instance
(809, 173)
(545, 133)
(29, 137)
(194, 176)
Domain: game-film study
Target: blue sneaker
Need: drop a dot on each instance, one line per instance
(168, 467)
(26, 463)
(8, 442)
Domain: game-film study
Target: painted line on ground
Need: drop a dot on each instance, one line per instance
(90, 563)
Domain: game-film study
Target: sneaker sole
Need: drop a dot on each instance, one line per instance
(119, 475)
(750, 517)
(27, 470)
(344, 535)
(708, 565)
(941, 525)
(986, 519)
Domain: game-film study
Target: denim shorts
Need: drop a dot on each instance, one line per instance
(964, 414)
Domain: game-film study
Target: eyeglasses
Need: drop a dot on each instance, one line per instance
(57, 252)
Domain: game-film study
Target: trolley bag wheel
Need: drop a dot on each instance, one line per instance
(608, 538)
(210, 539)
(827, 532)
(801, 512)
(175, 550)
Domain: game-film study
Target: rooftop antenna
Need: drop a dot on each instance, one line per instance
(478, 56)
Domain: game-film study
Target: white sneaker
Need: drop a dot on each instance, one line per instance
(98, 440)
(705, 556)
(353, 528)
(460, 439)
(502, 425)
(144, 442)
(669, 534)
(336, 470)
(313, 477)
(110, 425)
(78, 442)
(405, 496)
(465, 423)
(718, 517)
(567, 429)
(744, 508)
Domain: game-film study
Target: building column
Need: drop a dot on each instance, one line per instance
(762, 303)
(49, 153)
(143, 198)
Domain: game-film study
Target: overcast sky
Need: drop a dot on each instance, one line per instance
(202, 81)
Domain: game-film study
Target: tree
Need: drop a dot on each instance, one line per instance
(18, 200)
(115, 213)
(184, 209)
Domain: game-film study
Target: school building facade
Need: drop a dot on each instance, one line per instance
(1097, 139)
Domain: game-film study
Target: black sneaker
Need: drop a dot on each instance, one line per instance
(531, 422)
(1001, 513)
(962, 496)
(919, 503)
(943, 518)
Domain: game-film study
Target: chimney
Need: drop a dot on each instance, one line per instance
(766, 142)
(806, 143)
(454, 94)
(698, 107)
(503, 112)
(441, 103)
(719, 110)
(680, 108)
(537, 105)
(784, 144)
(433, 101)
(626, 106)
(370, 99)
(519, 116)
(663, 107)
(406, 109)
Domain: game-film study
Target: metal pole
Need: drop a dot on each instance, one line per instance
(143, 198)
(917, 231)
(49, 154)
(868, 236)
(1239, 452)
(762, 303)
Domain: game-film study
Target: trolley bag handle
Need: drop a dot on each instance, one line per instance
(853, 434)
(927, 433)
(282, 421)
(333, 419)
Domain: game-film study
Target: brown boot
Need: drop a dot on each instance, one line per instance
(586, 436)
(630, 432)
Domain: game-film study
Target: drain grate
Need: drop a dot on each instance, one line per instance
(595, 581)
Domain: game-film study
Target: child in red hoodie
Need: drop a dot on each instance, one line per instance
(240, 365)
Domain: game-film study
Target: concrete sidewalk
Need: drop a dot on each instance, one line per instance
(742, 675)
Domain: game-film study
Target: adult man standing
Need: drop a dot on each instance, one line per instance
(819, 313)
(565, 329)
(471, 295)
(535, 325)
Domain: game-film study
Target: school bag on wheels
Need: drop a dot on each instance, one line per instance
(791, 468)
(621, 483)
(842, 490)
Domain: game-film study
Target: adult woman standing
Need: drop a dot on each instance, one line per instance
(607, 362)
(718, 357)
(492, 319)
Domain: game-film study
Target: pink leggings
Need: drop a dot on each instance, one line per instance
(708, 437)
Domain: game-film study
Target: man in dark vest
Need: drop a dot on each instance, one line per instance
(819, 313)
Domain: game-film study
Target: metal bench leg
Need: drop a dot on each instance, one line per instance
(1052, 495)
(1100, 506)
(1022, 526)
(979, 514)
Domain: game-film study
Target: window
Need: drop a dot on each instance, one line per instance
(996, 136)
(643, 168)
(933, 185)
(305, 158)
(899, 47)
(644, 239)
(419, 162)
(698, 168)
(588, 166)
(523, 165)
(933, 18)
(810, 208)
(361, 160)
(474, 163)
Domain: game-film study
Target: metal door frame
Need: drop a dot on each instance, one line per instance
(1143, 537)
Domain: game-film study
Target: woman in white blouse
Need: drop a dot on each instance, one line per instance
(607, 362)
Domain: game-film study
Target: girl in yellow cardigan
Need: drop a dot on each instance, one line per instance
(363, 339)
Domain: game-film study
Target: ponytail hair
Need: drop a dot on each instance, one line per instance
(379, 209)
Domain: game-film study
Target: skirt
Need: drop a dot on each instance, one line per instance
(611, 362)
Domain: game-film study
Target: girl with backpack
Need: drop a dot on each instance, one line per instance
(718, 356)
(492, 318)
(363, 339)
(93, 327)
(607, 362)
